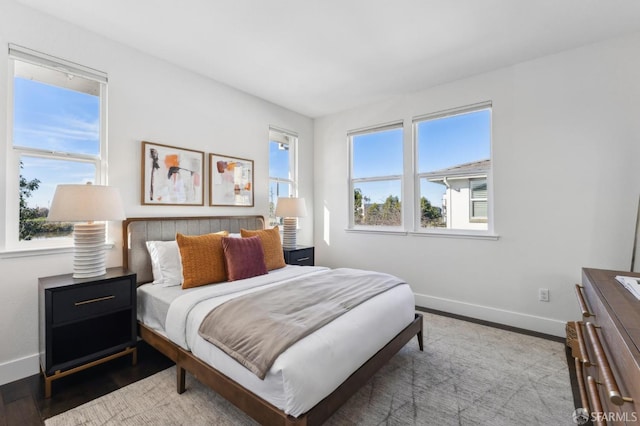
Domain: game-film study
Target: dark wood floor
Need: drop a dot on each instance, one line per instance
(22, 402)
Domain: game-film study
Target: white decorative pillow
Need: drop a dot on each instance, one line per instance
(165, 262)
(235, 235)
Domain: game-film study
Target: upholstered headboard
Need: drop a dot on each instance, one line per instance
(138, 230)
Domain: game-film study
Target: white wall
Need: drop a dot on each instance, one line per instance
(148, 100)
(566, 169)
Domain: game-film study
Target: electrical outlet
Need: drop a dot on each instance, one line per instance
(543, 294)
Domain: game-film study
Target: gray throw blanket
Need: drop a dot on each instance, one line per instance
(256, 328)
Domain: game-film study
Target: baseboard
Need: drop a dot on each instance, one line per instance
(19, 368)
(514, 319)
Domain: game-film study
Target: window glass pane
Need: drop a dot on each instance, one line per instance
(54, 117)
(432, 205)
(454, 159)
(378, 203)
(479, 209)
(377, 154)
(38, 180)
(279, 160)
(450, 141)
(479, 188)
(277, 189)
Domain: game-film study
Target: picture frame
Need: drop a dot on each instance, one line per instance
(171, 176)
(230, 181)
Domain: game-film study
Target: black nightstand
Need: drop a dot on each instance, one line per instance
(85, 322)
(299, 256)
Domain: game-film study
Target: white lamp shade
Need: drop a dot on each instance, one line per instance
(291, 207)
(85, 203)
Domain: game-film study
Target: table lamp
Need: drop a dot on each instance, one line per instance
(290, 209)
(91, 204)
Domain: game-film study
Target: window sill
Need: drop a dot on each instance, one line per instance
(41, 251)
(456, 234)
(375, 231)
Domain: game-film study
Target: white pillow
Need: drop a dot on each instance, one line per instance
(234, 235)
(165, 262)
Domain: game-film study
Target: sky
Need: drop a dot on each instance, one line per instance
(278, 168)
(55, 119)
(442, 143)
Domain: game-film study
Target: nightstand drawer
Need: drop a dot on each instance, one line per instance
(299, 256)
(84, 301)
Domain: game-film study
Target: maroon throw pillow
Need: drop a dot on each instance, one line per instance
(243, 257)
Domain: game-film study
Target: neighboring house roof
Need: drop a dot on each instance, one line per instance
(461, 171)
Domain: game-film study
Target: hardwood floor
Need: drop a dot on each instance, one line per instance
(22, 402)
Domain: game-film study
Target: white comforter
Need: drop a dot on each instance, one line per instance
(313, 367)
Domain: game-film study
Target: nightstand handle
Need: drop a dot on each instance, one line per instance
(302, 258)
(99, 299)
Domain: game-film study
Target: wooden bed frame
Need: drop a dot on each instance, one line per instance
(137, 230)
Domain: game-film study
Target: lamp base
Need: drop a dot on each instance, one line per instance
(289, 232)
(88, 250)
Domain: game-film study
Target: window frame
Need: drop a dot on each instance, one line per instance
(16, 152)
(292, 181)
(453, 232)
(351, 225)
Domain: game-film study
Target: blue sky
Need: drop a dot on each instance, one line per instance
(55, 119)
(278, 161)
(442, 143)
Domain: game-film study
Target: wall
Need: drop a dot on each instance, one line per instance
(566, 151)
(148, 99)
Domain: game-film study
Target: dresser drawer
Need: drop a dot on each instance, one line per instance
(84, 301)
(610, 316)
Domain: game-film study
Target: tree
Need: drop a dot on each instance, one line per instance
(392, 211)
(388, 213)
(28, 228)
(357, 206)
(429, 215)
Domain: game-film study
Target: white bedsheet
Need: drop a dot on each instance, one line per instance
(313, 367)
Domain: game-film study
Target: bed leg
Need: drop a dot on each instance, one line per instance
(180, 379)
(420, 340)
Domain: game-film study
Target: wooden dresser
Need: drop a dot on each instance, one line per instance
(606, 348)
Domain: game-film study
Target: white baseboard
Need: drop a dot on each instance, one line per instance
(19, 368)
(514, 319)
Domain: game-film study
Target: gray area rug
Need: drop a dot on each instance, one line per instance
(468, 374)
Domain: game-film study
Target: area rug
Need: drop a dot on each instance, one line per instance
(468, 374)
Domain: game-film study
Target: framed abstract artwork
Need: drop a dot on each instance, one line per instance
(171, 176)
(230, 181)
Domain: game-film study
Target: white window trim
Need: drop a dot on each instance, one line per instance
(13, 247)
(351, 226)
(489, 233)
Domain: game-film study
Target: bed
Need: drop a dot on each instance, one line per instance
(292, 392)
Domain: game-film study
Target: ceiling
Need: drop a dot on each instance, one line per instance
(319, 57)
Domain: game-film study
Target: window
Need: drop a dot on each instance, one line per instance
(454, 168)
(282, 169)
(376, 177)
(478, 200)
(58, 136)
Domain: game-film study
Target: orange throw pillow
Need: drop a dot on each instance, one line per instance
(271, 246)
(202, 259)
